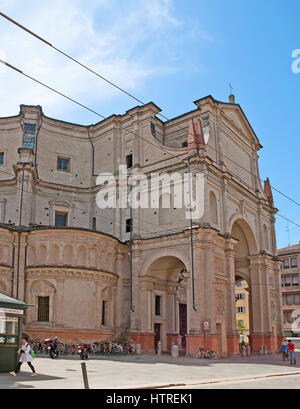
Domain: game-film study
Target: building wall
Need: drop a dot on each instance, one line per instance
(78, 268)
(290, 281)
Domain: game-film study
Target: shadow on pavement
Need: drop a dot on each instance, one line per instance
(10, 382)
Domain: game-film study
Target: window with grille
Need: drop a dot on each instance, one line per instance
(29, 136)
(43, 309)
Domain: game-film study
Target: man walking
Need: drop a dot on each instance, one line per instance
(25, 356)
(291, 350)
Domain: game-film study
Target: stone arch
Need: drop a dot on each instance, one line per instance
(54, 254)
(241, 228)
(93, 257)
(81, 256)
(31, 255)
(213, 208)
(245, 247)
(164, 299)
(68, 255)
(42, 254)
(151, 258)
(41, 288)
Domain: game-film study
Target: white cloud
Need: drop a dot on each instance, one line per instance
(121, 47)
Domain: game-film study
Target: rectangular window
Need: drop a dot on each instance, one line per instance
(43, 309)
(63, 164)
(103, 318)
(61, 219)
(286, 263)
(29, 136)
(1, 158)
(94, 227)
(293, 263)
(153, 130)
(238, 284)
(241, 296)
(287, 281)
(184, 144)
(157, 305)
(129, 161)
(295, 280)
(240, 310)
(128, 225)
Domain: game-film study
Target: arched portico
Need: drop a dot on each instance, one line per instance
(163, 300)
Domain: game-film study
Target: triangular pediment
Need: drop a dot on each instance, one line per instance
(238, 119)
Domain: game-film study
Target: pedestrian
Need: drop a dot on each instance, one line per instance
(25, 356)
(291, 350)
(243, 349)
(283, 350)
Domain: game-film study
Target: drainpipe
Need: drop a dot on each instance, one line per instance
(191, 228)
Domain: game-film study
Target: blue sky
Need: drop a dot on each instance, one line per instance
(171, 53)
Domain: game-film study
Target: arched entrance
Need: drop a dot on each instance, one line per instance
(164, 301)
(243, 249)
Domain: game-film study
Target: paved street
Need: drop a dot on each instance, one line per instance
(151, 371)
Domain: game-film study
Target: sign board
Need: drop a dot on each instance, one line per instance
(206, 326)
(11, 311)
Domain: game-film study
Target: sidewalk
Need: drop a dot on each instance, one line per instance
(145, 371)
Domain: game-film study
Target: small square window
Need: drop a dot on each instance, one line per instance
(63, 164)
(184, 144)
(61, 219)
(1, 158)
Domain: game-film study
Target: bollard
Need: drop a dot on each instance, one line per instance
(84, 375)
(175, 351)
(159, 348)
(138, 349)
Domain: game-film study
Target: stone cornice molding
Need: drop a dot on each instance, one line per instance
(61, 272)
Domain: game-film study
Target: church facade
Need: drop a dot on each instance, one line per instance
(92, 273)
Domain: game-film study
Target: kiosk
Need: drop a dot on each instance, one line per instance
(11, 316)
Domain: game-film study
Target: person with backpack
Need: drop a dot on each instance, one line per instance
(291, 350)
(26, 355)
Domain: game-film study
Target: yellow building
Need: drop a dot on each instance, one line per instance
(242, 310)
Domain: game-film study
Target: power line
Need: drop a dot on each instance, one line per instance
(119, 88)
(74, 60)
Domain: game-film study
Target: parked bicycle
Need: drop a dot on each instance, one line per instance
(206, 354)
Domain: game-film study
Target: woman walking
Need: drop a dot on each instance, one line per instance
(25, 356)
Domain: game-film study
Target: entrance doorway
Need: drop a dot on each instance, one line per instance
(183, 324)
(157, 335)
